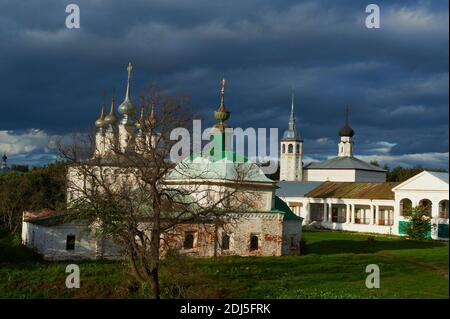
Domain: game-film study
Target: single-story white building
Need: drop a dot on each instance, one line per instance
(372, 207)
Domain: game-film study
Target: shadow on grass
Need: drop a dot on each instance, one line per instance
(328, 247)
(12, 251)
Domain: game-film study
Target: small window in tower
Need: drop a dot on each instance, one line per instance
(254, 242)
(70, 242)
(291, 148)
(284, 148)
(298, 148)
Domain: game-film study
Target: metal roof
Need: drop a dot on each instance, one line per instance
(346, 162)
(295, 188)
(354, 190)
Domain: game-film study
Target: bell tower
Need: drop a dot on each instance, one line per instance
(291, 165)
(346, 133)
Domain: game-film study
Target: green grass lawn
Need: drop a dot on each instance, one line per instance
(334, 267)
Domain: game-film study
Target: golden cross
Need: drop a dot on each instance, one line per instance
(223, 86)
(129, 68)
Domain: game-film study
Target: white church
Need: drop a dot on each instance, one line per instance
(346, 193)
(341, 193)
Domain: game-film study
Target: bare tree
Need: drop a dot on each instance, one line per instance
(126, 193)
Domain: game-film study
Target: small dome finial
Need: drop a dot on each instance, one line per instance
(111, 119)
(152, 116)
(100, 123)
(346, 130)
(222, 114)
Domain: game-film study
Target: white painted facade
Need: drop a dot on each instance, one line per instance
(51, 242)
(345, 147)
(291, 165)
(343, 175)
(429, 186)
(376, 215)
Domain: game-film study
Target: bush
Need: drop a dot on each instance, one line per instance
(418, 222)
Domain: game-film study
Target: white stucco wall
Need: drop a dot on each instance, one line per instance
(50, 242)
(332, 175)
(417, 188)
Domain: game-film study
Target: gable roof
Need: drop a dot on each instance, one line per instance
(295, 188)
(354, 190)
(345, 162)
(441, 177)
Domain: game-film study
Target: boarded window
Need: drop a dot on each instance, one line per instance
(225, 241)
(70, 242)
(254, 242)
(188, 241)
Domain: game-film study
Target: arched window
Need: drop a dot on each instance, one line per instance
(188, 240)
(225, 241)
(427, 204)
(254, 242)
(405, 206)
(283, 148)
(291, 148)
(443, 209)
(298, 149)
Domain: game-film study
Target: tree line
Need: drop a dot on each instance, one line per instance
(23, 189)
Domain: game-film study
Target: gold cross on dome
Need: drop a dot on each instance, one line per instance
(129, 68)
(223, 86)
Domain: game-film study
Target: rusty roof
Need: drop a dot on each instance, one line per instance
(354, 190)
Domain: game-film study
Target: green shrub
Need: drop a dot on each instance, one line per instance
(418, 222)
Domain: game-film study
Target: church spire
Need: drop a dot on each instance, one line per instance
(127, 108)
(291, 133)
(222, 114)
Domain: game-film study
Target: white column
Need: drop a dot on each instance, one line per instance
(434, 219)
(329, 213)
(347, 213)
(324, 212)
(353, 214)
(377, 214)
(371, 215)
(307, 212)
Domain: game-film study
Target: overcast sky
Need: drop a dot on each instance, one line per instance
(395, 78)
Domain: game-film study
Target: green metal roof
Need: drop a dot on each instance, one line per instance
(346, 162)
(225, 165)
(280, 205)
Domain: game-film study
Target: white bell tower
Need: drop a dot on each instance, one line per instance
(346, 133)
(291, 165)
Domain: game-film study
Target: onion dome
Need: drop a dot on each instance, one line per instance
(346, 130)
(222, 114)
(100, 123)
(140, 124)
(127, 108)
(152, 116)
(111, 118)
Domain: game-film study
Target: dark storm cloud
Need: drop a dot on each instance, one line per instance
(395, 78)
